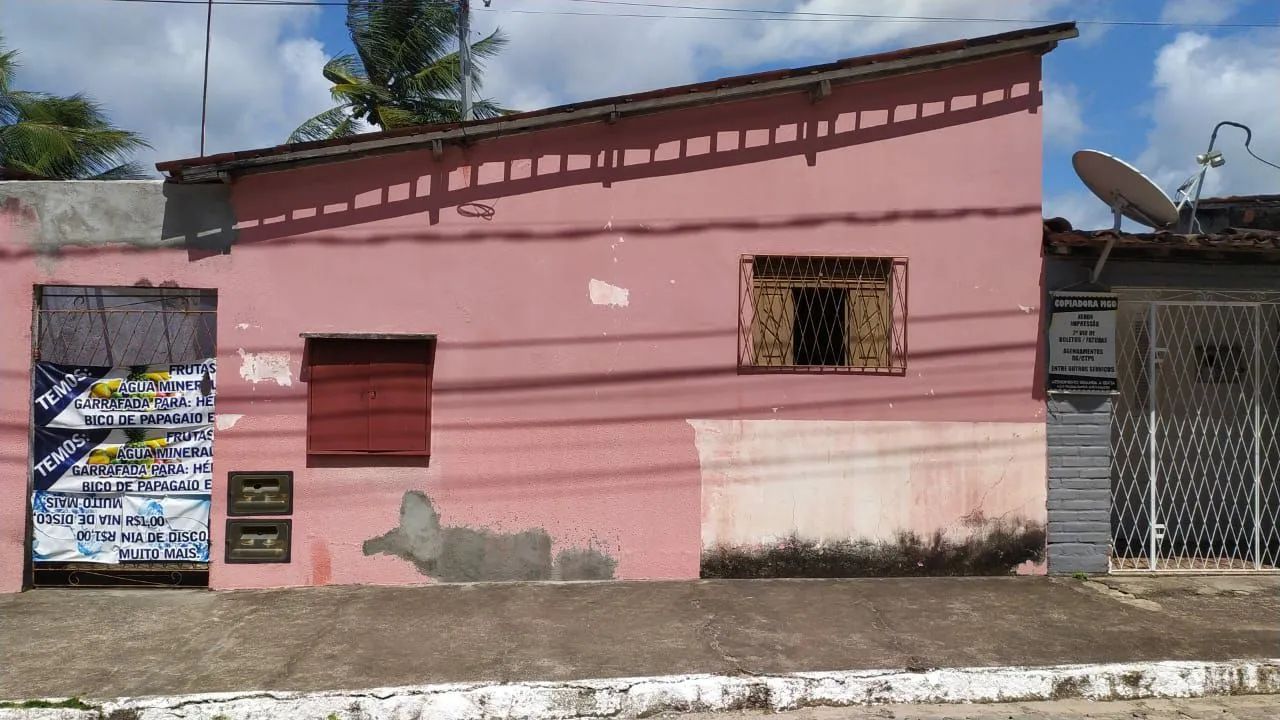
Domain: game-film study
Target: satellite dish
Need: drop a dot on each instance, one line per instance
(1126, 190)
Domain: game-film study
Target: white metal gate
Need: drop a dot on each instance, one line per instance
(1194, 432)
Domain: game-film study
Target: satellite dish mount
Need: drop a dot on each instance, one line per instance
(1128, 193)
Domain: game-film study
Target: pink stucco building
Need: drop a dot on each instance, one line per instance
(750, 324)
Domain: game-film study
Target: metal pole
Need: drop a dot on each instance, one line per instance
(1152, 394)
(204, 92)
(1257, 437)
(464, 55)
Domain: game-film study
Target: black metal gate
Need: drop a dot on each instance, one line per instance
(118, 326)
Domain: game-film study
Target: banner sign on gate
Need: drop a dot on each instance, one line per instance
(136, 461)
(1082, 342)
(122, 462)
(75, 528)
(119, 528)
(168, 529)
(155, 396)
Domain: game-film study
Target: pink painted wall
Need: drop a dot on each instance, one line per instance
(551, 411)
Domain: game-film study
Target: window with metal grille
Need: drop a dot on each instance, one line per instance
(822, 314)
(1220, 364)
(369, 395)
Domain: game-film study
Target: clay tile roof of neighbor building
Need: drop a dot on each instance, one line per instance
(212, 168)
(1230, 244)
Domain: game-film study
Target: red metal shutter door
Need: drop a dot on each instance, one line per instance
(338, 410)
(400, 398)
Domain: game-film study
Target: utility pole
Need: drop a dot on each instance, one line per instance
(204, 92)
(464, 55)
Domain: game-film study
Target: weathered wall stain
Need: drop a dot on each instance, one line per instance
(830, 480)
(462, 554)
(584, 564)
(998, 549)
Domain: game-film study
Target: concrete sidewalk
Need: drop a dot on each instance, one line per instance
(111, 643)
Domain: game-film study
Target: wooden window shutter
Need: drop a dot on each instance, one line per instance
(400, 398)
(369, 396)
(868, 322)
(773, 324)
(338, 413)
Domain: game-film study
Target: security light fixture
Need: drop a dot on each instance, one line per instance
(1212, 159)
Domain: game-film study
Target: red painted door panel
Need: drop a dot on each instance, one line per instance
(398, 407)
(339, 416)
(338, 397)
(370, 396)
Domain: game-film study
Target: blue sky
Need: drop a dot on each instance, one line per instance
(1148, 94)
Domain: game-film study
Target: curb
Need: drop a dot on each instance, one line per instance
(647, 696)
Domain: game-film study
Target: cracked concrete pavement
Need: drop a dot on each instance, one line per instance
(107, 643)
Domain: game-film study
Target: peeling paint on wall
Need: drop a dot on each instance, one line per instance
(266, 366)
(462, 554)
(226, 421)
(602, 293)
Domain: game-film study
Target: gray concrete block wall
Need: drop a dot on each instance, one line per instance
(1079, 450)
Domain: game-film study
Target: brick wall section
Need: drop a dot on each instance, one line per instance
(1079, 448)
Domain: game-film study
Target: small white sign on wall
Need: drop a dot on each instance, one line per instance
(1082, 342)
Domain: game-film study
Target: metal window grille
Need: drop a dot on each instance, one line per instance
(118, 326)
(1195, 453)
(822, 314)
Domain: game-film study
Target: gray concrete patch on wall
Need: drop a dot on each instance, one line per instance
(463, 554)
(144, 214)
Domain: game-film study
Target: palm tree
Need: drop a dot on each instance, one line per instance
(405, 70)
(60, 138)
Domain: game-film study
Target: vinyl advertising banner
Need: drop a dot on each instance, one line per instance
(168, 529)
(122, 462)
(119, 528)
(75, 528)
(95, 398)
(136, 461)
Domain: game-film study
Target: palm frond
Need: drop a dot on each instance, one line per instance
(405, 70)
(61, 137)
(344, 69)
(333, 123)
(125, 171)
(390, 116)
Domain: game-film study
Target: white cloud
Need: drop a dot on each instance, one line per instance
(1199, 11)
(556, 59)
(1200, 80)
(1063, 121)
(143, 62)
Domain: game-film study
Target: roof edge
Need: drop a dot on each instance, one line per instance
(742, 87)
